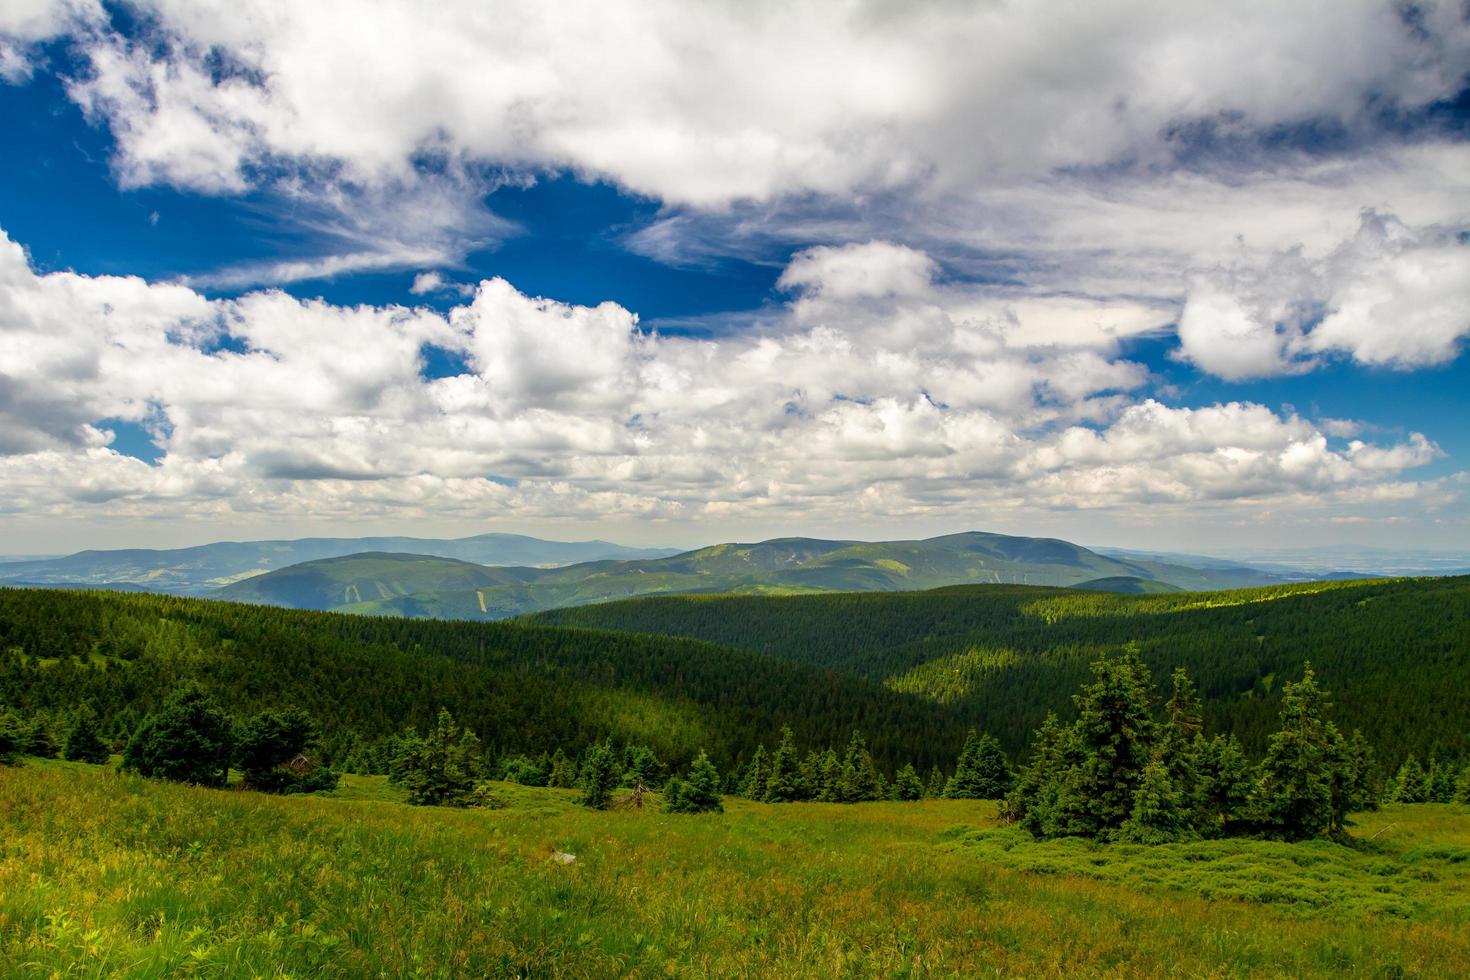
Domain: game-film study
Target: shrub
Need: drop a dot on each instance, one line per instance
(271, 750)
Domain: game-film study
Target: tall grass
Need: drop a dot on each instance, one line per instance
(103, 875)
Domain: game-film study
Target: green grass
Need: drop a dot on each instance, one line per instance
(107, 875)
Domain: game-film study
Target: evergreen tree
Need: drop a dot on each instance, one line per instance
(1181, 740)
(1158, 815)
(935, 786)
(563, 771)
(1224, 786)
(10, 739)
(960, 785)
(442, 768)
(1412, 783)
(700, 793)
(84, 739)
(1293, 794)
(1362, 787)
(599, 775)
(188, 741)
(782, 778)
(907, 785)
(525, 771)
(830, 780)
(860, 780)
(40, 741)
(271, 751)
(1033, 799)
(809, 776)
(753, 782)
(640, 766)
(1462, 786)
(1113, 736)
(1441, 780)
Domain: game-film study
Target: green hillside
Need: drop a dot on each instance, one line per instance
(784, 566)
(1396, 652)
(522, 688)
(105, 875)
(1127, 585)
(333, 582)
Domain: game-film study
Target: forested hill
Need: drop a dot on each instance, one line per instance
(522, 688)
(1395, 653)
(366, 584)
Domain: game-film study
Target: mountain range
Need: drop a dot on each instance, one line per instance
(421, 586)
(203, 569)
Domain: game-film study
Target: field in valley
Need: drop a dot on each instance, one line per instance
(103, 875)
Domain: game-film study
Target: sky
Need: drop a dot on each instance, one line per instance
(1134, 273)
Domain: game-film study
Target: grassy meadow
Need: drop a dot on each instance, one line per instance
(107, 875)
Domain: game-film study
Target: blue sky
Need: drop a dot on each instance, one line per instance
(675, 280)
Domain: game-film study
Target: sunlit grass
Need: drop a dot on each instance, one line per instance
(102, 875)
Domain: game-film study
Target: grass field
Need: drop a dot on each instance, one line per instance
(104, 875)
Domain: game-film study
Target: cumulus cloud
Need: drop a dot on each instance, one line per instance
(938, 404)
(1390, 296)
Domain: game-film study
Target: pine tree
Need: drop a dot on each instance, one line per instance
(1033, 799)
(10, 739)
(1158, 815)
(599, 775)
(907, 785)
(935, 786)
(1462, 786)
(640, 766)
(189, 741)
(1412, 783)
(700, 793)
(1362, 787)
(84, 739)
(1293, 795)
(809, 776)
(442, 768)
(1114, 739)
(753, 782)
(782, 778)
(268, 744)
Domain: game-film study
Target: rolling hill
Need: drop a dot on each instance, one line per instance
(1395, 653)
(782, 566)
(195, 571)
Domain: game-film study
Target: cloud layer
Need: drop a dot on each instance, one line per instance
(887, 393)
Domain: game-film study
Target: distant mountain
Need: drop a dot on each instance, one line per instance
(196, 571)
(782, 566)
(1127, 585)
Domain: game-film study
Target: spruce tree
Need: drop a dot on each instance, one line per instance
(40, 741)
(1114, 739)
(961, 784)
(700, 793)
(860, 781)
(10, 738)
(1033, 799)
(1362, 785)
(1462, 786)
(442, 768)
(1224, 786)
(1181, 739)
(268, 744)
(1158, 815)
(640, 766)
(782, 777)
(753, 782)
(84, 739)
(907, 785)
(809, 776)
(1441, 780)
(935, 786)
(190, 740)
(563, 771)
(830, 785)
(599, 775)
(1412, 783)
(1293, 794)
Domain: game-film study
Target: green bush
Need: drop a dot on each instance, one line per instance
(189, 741)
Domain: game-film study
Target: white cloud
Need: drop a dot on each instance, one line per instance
(1391, 296)
(267, 407)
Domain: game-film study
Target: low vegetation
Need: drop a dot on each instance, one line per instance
(106, 874)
